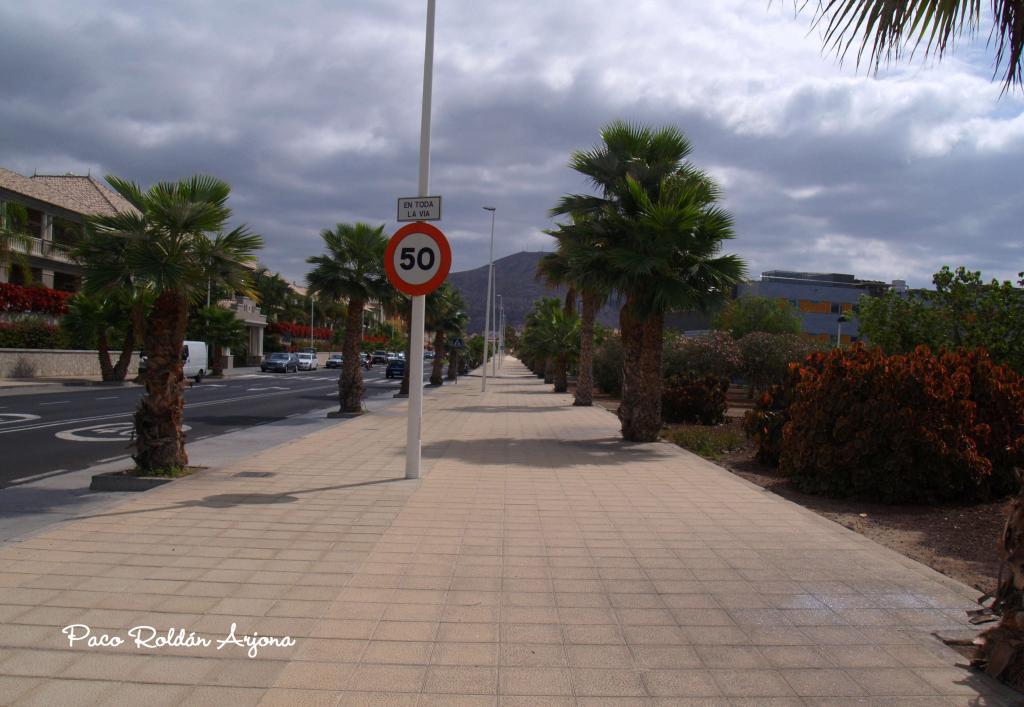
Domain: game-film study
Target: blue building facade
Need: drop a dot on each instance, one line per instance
(819, 299)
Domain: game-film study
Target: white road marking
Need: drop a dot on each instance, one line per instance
(55, 402)
(269, 387)
(107, 432)
(108, 397)
(37, 477)
(16, 417)
(116, 415)
(112, 459)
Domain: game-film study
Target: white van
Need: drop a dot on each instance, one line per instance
(194, 360)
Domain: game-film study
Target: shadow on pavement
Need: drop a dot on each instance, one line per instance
(232, 500)
(544, 453)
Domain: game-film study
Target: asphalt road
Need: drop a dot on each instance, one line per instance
(51, 433)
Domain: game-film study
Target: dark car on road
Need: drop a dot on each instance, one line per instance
(380, 357)
(395, 369)
(334, 361)
(280, 363)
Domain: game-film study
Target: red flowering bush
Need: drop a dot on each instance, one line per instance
(297, 330)
(907, 428)
(764, 424)
(41, 300)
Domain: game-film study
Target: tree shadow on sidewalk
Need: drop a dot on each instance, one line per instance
(545, 453)
(514, 408)
(233, 500)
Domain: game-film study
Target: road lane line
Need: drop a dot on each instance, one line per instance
(55, 402)
(108, 397)
(114, 416)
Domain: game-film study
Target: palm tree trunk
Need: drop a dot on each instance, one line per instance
(159, 439)
(437, 372)
(350, 381)
(403, 390)
(549, 369)
(585, 379)
(644, 423)
(217, 364)
(453, 365)
(561, 373)
(127, 348)
(631, 330)
(103, 349)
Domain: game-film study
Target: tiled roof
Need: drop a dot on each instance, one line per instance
(77, 193)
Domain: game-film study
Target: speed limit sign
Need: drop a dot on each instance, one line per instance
(418, 258)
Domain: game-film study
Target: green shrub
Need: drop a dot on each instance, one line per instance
(694, 399)
(32, 334)
(765, 358)
(708, 442)
(608, 358)
(712, 354)
(907, 428)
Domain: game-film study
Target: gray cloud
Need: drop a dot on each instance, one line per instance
(311, 111)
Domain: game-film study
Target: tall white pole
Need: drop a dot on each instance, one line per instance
(412, 439)
(494, 318)
(497, 333)
(312, 336)
(487, 305)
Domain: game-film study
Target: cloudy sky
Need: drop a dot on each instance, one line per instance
(310, 109)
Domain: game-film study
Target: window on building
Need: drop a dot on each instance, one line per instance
(834, 307)
(35, 223)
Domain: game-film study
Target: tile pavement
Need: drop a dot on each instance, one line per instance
(539, 561)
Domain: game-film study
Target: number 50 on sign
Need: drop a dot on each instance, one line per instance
(418, 258)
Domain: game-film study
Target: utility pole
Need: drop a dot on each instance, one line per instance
(487, 305)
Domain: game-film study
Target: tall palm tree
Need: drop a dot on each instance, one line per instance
(219, 328)
(656, 219)
(580, 262)
(353, 269)
(167, 241)
(891, 28)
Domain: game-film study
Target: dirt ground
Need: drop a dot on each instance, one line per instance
(959, 541)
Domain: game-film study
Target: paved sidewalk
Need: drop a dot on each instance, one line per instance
(540, 561)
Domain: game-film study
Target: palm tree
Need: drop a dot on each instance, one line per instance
(219, 328)
(656, 219)
(579, 261)
(15, 240)
(353, 269)
(95, 320)
(552, 337)
(167, 242)
(446, 317)
(892, 27)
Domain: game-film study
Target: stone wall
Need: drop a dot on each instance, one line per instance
(54, 363)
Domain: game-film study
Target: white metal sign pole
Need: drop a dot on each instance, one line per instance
(412, 440)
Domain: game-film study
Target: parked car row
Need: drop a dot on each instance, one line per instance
(283, 362)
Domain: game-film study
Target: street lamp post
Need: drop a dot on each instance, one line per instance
(499, 339)
(839, 329)
(487, 304)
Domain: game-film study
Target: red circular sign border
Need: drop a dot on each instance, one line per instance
(438, 237)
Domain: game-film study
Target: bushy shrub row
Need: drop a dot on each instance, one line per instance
(39, 300)
(918, 427)
(32, 335)
(694, 399)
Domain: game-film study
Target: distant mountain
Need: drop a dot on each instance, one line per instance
(516, 281)
(515, 278)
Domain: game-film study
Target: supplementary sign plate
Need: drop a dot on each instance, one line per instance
(419, 208)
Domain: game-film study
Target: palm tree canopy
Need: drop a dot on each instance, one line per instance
(173, 243)
(667, 255)
(353, 266)
(893, 27)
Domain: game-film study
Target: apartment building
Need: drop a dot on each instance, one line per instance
(820, 299)
(53, 210)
